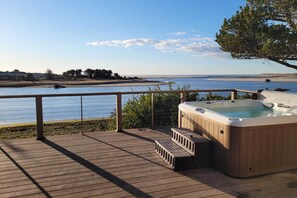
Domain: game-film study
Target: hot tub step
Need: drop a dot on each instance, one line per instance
(195, 144)
(177, 157)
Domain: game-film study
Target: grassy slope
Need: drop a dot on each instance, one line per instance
(57, 128)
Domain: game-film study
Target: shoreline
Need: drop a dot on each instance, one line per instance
(78, 83)
(141, 82)
(276, 77)
(258, 79)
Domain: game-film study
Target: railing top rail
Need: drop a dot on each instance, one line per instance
(123, 93)
(246, 91)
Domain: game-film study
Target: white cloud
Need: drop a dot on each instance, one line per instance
(123, 43)
(178, 33)
(198, 46)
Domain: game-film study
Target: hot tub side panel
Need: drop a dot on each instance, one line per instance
(268, 149)
(247, 151)
(218, 133)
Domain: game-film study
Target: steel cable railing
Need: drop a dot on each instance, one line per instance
(23, 115)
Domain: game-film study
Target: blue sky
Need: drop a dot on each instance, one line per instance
(126, 36)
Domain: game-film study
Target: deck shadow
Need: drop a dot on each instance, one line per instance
(14, 147)
(96, 169)
(124, 149)
(202, 182)
(25, 173)
(137, 136)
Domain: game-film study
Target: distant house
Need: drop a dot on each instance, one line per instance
(38, 75)
(21, 75)
(14, 74)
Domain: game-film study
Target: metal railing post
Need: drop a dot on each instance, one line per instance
(119, 113)
(233, 95)
(39, 117)
(183, 97)
(81, 115)
(152, 124)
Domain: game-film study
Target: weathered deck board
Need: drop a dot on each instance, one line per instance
(108, 164)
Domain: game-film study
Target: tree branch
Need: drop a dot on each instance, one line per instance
(283, 63)
(292, 59)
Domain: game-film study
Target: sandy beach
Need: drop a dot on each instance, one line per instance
(142, 82)
(172, 76)
(77, 83)
(273, 77)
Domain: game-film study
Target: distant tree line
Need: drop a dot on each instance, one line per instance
(69, 74)
(93, 74)
(101, 73)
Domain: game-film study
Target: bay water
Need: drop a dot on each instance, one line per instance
(69, 108)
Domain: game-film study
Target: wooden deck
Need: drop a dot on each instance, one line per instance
(109, 164)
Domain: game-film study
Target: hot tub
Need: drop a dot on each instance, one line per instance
(250, 137)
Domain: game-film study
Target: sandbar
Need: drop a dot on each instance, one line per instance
(80, 83)
(258, 79)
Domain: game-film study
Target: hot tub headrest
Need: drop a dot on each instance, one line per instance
(289, 99)
(268, 104)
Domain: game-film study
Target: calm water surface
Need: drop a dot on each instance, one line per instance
(63, 108)
(243, 112)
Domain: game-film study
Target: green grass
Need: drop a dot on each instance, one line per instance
(57, 128)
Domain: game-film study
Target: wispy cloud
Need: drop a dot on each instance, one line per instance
(123, 43)
(198, 46)
(178, 33)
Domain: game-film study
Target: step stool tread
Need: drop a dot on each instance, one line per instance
(190, 135)
(173, 148)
